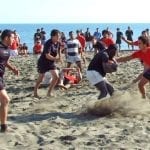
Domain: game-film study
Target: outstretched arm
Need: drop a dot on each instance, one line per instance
(124, 59)
(127, 41)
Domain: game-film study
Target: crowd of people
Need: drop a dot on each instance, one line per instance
(105, 60)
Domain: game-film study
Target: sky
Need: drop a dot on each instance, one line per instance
(75, 11)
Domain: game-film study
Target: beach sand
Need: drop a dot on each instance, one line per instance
(75, 119)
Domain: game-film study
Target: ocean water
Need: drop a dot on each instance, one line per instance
(26, 31)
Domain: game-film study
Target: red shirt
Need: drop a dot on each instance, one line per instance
(107, 41)
(14, 45)
(144, 56)
(37, 48)
(81, 40)
(72, 79)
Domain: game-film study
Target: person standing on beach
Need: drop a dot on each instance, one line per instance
(106, 39)
(129, 34)
(37, 36)
(135, 43)
(144, 55)
(72, 51)
(97, 34)
(102, 63)
(82, 41)
(88, 39)
(15, 45)
(38, 48)
(43, 36)
(46, 62)
(119, 35)
(7, 38)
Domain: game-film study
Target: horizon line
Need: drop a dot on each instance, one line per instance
(74, 23)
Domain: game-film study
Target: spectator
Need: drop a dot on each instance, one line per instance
(129, 35)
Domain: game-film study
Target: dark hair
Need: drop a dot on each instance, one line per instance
(144, 40)
(147, 29)
(54, 32)
(105, 32)
(6, 33)
(70, 32)
(77, 31)
(111, 51)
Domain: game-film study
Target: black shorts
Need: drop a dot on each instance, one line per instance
(118, 41)
(42, 68)
(2, 84)
(45, 69)
(147, 74)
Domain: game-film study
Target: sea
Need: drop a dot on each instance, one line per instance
(26, 31)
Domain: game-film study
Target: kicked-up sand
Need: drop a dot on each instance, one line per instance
(75, 119)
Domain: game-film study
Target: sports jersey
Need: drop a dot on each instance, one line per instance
(4, 56)
(97, 62)
(45, 64)
(143, 55)
(107, 41)
(37, 48)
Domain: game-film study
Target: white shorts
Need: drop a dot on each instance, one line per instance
(47, 78)
(73, 59)
(94, 77)
(14, 52)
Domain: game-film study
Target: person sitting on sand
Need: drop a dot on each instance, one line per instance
(102, 63)
(7, 38)
(23, 49)
(69, 77)
(47, 60)
(144, 55)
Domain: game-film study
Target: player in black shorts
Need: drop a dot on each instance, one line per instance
(7, 38)
(47, 61)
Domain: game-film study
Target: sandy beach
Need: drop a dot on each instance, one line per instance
(75, 119)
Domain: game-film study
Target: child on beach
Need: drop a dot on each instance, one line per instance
(47, 60)
(144, 55)
(98, 68)
(7, 38)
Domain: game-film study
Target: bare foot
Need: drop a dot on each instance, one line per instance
(51, 95)
(62, 86)
(37, 96)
